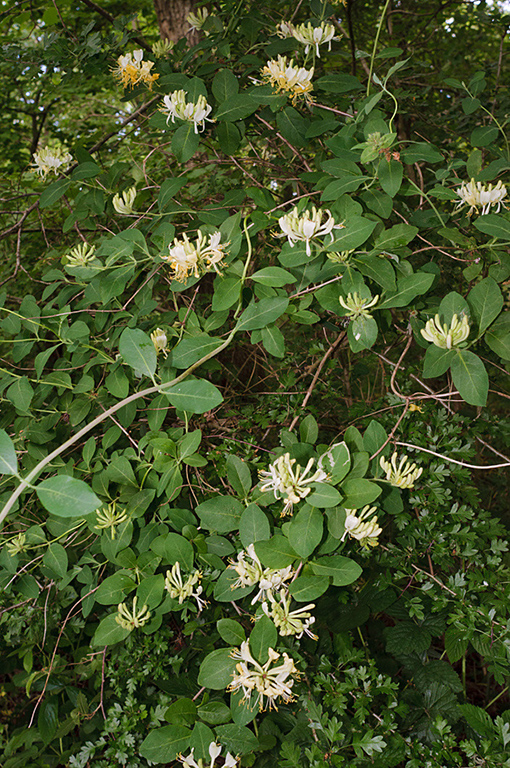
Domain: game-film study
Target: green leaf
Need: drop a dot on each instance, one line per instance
(150, 590)
(257, 315)
(337, 461)
(494, 225)
(189, 351)
(362, 333)
(324, 496)
(243, 710)
(305, 529)
(498, 336)
(395, 237)
(231, 631)
(214, 712)
(343, 570)
(408, 288)
(8, 460)
(341, 186)
(138, 351)
(276, 277)
(237, 739)
(229, 137)
(470, 377)
(356, 231)
(55, 558)
(377, 268)
(47, 721)
(109, 632)
(221, 514)
(194, 395)
(238, 475)
(20, 394)
(201, 737)
(455, 643)
(162, 745)
(359, 492)
(235, 108)
(274, 340)
(54, 192)
(185, 142)
(224, 85)
(436, 361)
(478, 719)
(306, 588)
(484, 135)
(338, 83)
(390, 175)
(226, 293)
(264, 635)
(223, 589)
(65, 496)
(486, 302)
(253, 526)
(114, 589)
(173, 548)
(217, 669)
(182, 712)
(276, 552)
(168, 190)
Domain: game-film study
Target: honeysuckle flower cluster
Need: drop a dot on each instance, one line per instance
(189, 761)
(190, 111)
(477, 195)
(134, 618)
(162, 47)
(289, 482)
(160, 341)
(16, 545)
(132, 69)
(187, 258)
(314, 36)
(56, 160)
(180, 589)
(81, 255)
(403, 475)
(286, 621)
(357, 306)
(444, 336)
(295, 81)
(267, 682)
(358, 527)
(110, 517)
(197, 19)
(123, 203)
(308, 225)
(251, 573)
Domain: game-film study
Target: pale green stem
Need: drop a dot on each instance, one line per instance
(246, 265)
(88, 427)
(374, 49)
(427, 198)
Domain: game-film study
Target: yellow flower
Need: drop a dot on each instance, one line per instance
(285, 77)
(265, 681)
(192, 112)
(314, 36)
(54, 161)
(307, 226)
(129, 619)
(356, 306)
(476, 194)
(187, 258)
(108, 517)
(132, 70)
(358, 527)
(291, 483)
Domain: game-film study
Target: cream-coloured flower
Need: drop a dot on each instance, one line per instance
(285, 29)
(477, 195)
(251, 573)
(55, 161)
(180, 589)
(296, 81)
(197, 19)
(289, 482)
(132, 69)
(123, 204)
(193, 112)
(356, 306)
(314, 36)
(358, 527)
(189, 761)
(131, 619)
(81, 255)
(187, 258)
(444, 336)
(265, 681)
(160, 341)
(289, 622)
(402, 476)
(307, 226)
(109, 517)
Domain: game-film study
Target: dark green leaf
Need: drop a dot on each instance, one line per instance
(66, 496)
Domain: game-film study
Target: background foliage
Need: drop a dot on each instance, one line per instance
(410, 664)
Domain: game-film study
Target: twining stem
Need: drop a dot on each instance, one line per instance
(374, 49)
(25, 483)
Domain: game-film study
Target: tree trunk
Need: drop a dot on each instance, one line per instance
(171, 16)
